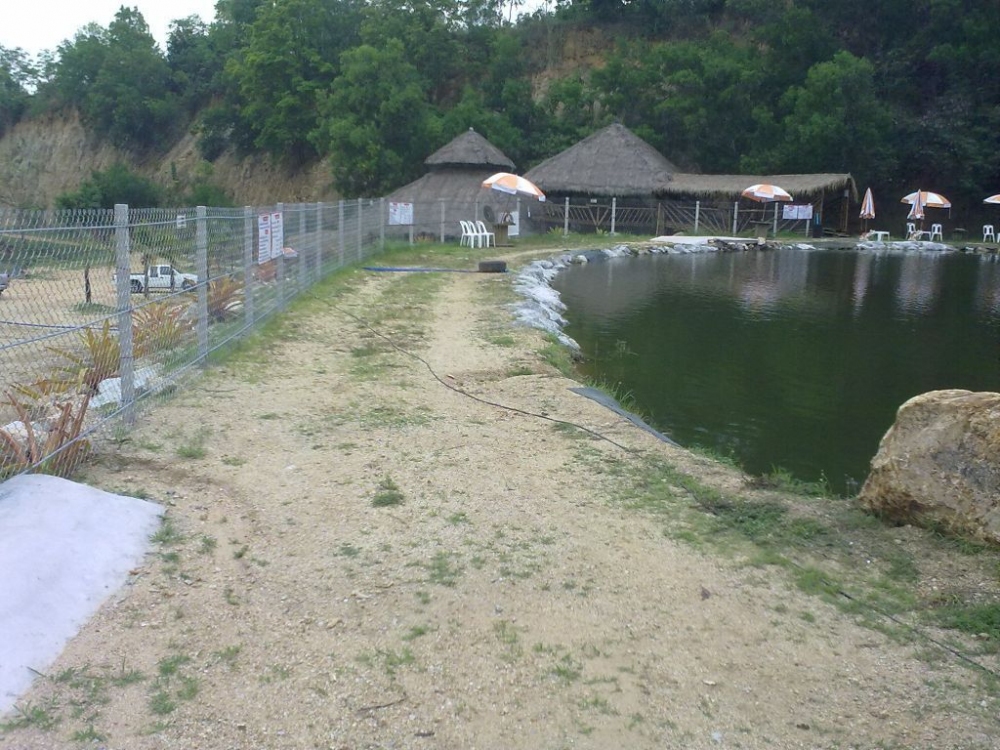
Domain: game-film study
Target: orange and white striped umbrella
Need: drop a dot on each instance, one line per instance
(765, 193)
(513, 184)
(867, 206)
(928, 199)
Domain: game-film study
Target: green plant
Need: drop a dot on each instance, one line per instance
(159, 325)
(225, 298)
(387, 494)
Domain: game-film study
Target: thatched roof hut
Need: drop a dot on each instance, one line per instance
(611, 161)
(803, 187)
(614, 161)
(452, 188)
(469, 150)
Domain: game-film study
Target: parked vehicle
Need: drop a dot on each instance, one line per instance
(162, 278)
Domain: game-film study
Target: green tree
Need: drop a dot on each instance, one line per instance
(833, 123)
(292, 55)
(118, 80)
(117, 184)
(17, 74)
(377, 123)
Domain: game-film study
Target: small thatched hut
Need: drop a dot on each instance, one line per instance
(452, 188)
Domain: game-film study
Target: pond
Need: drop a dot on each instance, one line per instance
(792, 359)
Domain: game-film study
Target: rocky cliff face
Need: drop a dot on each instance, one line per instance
(42, 158)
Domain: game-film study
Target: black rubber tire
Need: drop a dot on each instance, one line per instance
(493, 266)
(187, 284)
(136, 286)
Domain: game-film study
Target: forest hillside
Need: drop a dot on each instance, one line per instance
(312, 99)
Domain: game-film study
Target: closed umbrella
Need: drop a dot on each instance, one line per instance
(867, 207)
(916, 207)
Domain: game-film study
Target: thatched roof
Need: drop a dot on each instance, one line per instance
(450, 185)
(470, 150)
(612, 161)
(729, 186)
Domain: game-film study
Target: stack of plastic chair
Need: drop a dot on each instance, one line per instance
(936, 232)
(988, 233)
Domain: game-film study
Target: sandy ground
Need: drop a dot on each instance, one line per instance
(361, 552)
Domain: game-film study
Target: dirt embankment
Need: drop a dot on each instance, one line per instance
(385, 531)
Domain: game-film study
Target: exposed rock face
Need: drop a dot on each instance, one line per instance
(939, 464)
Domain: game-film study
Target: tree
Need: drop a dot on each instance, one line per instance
(292, 55)
(119, 81)
(118, 184)
(17, 74)
(376, 121)
(832, 123)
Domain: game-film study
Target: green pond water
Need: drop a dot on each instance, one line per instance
(791, 359)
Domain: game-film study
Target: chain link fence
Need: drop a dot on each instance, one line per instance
(102, 310)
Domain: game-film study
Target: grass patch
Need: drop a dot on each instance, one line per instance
(387, 494)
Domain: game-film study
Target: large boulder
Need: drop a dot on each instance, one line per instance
(939, 465)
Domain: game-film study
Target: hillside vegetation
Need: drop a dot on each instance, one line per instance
(901, 93)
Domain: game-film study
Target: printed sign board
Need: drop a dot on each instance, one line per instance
(793, 211)
(400, 214)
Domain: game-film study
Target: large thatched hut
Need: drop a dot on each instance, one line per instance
(614, 166)
(452, 188)
(614, 161)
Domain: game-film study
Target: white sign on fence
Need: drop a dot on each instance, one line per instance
(792, 211)
(270, 236)
(263, 238)
(181, 221)
(400, 214)
(277, 234)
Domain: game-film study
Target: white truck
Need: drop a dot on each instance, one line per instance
(161, 278)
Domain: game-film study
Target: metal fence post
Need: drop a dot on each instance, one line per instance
(280, 271)
(566, 219)
(697, 214)
(201, 257)
(614, 211)
(361, 232)
(442, 221)
(381, 226)
(248, 286)
(774, 231)
(123, 270)
(340, 231)
(736, 213)
(302, 260)
(319, 241)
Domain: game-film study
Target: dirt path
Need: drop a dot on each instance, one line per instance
(357, 555)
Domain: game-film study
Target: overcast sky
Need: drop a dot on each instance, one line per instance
(37, 25)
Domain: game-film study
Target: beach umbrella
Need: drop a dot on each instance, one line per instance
(513, 184)
(992, 199)
(765, 193)
(868, 206)
(927, 199)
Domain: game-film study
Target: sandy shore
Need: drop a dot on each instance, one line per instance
(384, 531)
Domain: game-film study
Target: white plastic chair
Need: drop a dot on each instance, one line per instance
(936, 232)
(468, 235)
(911, 229)
(988, 233)
(485, 235)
